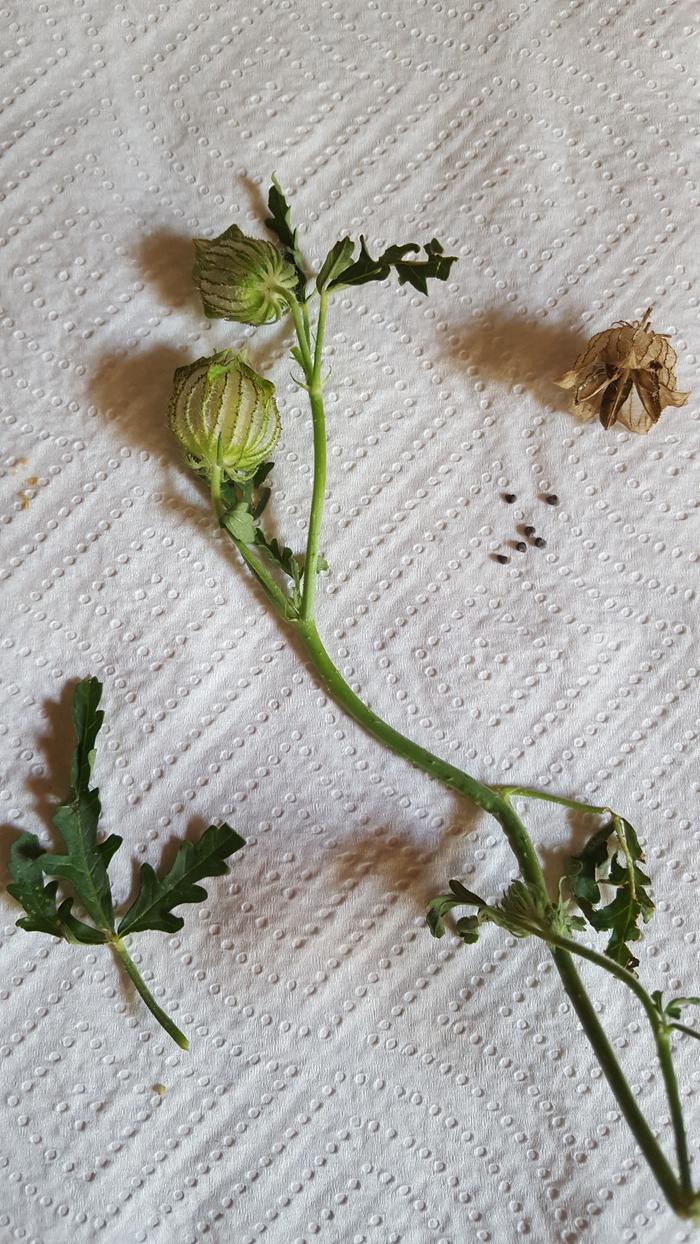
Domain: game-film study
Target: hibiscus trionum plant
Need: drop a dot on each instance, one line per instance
(226, 421)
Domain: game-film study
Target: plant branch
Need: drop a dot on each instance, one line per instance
(315, 390)
(527, 792)
(275, 595)
(139, 984)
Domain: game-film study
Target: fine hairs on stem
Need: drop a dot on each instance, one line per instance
(213, 432)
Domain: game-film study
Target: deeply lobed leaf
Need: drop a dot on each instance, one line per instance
(84, 863)
(612, 857)
(152, 907)
(340, 270)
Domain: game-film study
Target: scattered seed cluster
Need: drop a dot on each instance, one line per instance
(527, 529)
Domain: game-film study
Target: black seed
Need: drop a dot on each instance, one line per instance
(509, 497)
(552, 498)
(521, 546)
(500, 557)
(539, 543)
(528, 531)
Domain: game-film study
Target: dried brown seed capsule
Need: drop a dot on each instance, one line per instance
(625, 375)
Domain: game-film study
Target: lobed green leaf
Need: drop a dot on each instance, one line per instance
(37, 899)
(152, 907)
(338, 274)
(613, 857)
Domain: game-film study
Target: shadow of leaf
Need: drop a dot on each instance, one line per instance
(405, 866)
(513, 351)
(581, 827)
(56, 744)
(8, 835)
(258, 201)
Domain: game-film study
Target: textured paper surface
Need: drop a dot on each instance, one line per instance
(350, 1079)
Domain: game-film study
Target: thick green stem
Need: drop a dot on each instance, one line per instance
(135, 977)
(319, 484)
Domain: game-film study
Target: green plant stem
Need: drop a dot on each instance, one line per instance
(663, 1046)
(434, 766)
(315, 390)
(495, 801)
(274, 593)
(667, 1180)
(659, 1029)
(302, 335)
(522, 847)
(528, 792)
(305, 319)
(215, 491)
(139, 984)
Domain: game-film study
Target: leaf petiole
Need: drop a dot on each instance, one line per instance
(144, 993)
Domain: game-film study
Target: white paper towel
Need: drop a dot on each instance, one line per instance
(350, 1080)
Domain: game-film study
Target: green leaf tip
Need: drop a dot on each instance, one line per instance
(152, 907)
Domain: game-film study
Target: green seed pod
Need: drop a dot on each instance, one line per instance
(242, 279)
(224, 415)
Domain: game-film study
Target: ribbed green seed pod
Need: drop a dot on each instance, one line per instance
(242, 279)
(224, 415)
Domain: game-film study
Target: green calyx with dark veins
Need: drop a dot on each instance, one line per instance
(82, 867)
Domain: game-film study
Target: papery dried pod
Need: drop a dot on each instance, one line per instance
(625, 375)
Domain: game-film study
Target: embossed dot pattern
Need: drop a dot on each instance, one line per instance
(350, 1080)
